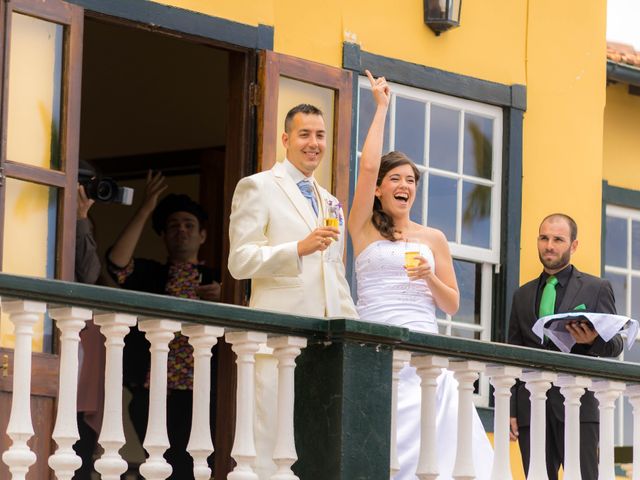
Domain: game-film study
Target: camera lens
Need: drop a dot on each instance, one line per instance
(104, 191)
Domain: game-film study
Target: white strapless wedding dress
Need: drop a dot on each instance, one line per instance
(385, 295)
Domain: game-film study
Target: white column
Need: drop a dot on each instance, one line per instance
(400, 359)
(114, 327)
(633, 393)
(285, 349)
(159, 332)
(70, 320)
(502, 378)
(538, 383)
(245, 345)
(23, 314)
(428, 368)
(202, 338)
(572, 388)
(466, 373)
(607, 392)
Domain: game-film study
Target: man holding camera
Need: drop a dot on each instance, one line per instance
(179, 222)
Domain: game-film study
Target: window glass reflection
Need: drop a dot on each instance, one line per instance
(635, 245)
(476, 215)
(35, 92)
(442, 205)
(616, 242)
(635, 298)
(443, 138)
(468, 275)
(410, 128)
(417, 210)
(619, 284)
(366, 109)
(478, 147)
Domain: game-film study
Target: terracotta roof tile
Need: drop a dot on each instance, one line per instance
(622, 53)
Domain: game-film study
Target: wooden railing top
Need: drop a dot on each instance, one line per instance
(242, 318)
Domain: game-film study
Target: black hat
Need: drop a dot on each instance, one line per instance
(171, 204)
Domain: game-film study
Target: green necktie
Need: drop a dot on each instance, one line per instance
(548, 299)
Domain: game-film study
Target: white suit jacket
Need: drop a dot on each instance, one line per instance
(269, 216)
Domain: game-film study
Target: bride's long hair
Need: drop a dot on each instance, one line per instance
(381, 220)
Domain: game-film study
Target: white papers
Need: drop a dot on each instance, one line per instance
(607, 326)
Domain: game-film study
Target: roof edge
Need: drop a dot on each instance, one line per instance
(621, 73)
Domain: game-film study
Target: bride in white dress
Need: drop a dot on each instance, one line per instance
(389, 293)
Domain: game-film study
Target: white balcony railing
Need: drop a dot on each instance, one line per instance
(24, 300)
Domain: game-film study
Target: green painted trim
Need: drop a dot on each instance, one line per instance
(436, 80)
(603, 226)
(625, 197)
(487, 418)
(182, 20)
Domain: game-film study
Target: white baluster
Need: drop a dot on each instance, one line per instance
(285, 349)
(202, 338)
(70, 321)
(607, 392)
(538, 383)
(23, 314)
(245, 345)
(114, 327)
(633, 394)
(572, 388)
(502, 378)
(466, 373)
(159, 332)
(400, 359)
(428, 368)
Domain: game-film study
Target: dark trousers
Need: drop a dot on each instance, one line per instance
(589, 436)
(85, 448)
(179, 412)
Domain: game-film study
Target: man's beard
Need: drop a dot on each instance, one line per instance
(559, 264)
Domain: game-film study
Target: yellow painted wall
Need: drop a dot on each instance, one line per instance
(622, 138)
(490, 44)
(563, 126)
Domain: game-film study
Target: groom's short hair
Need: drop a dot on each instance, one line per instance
(573, 226)
(305, 108)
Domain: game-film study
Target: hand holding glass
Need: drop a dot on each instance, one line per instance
(332, 219)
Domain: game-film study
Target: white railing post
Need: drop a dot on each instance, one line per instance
(502, 378)
(245, 345)
(607, 392)
(286, 350)
(70, 320)
(466, 373)
(202, 338)
(114, 327)
(159, 332)
(538, 383)
(400, 359)
(572, 389)
(19, 457)
(633, 394)
(428, 368)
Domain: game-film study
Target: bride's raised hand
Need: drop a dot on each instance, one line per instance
(380, 89)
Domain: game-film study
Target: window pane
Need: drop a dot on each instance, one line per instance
(476, 215)
(442, 205)
(635, 245)
(619, 284)
(478, 147)
(635, 298)
(464, 333)
(366, 109)
(294, 92)
(29, 245)
(443, 138)
(616, 242)
(469, 276)
(35, 89)
(410, 119)
(417, 210)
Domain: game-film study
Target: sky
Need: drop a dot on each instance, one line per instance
(623, 22)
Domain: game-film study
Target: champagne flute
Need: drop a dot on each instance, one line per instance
(332, 219)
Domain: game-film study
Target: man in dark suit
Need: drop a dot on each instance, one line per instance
(574, 290)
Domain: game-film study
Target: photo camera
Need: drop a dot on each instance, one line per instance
(104, 189)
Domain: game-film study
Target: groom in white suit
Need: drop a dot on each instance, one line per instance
(276, 229)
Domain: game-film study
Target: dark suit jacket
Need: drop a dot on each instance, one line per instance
(597, 295)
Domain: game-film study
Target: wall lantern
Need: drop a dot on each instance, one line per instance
(441, 15)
